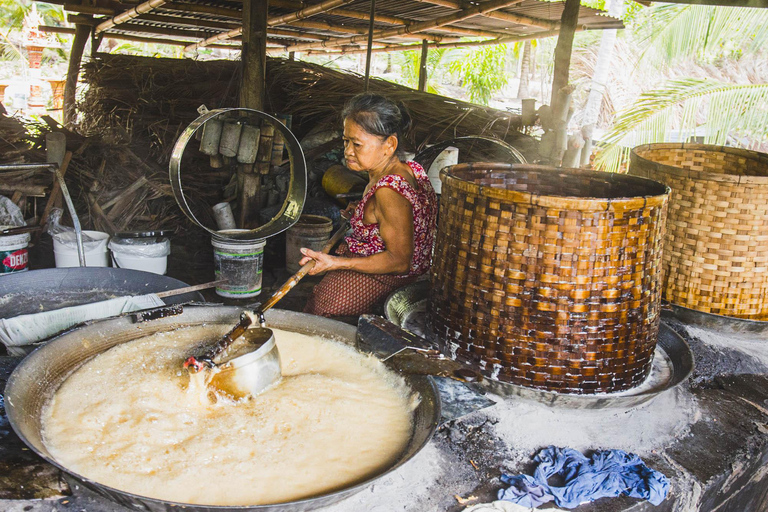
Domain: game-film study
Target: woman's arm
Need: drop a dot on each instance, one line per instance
(394, 215)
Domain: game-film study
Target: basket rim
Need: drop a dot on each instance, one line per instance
(738, 179)
(448, 176)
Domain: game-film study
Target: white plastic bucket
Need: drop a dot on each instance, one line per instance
(65, 250)
(238, 261)
(149, 255)
(13, 252)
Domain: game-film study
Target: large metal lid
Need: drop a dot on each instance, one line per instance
(297, 188)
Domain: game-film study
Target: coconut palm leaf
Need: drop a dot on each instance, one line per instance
(671, 31)
(729, 110)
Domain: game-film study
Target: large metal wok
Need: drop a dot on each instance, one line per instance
(39, 375)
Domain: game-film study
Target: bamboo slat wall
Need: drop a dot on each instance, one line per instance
(716, 248)
(549, 278)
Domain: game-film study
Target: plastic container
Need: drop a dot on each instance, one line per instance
(149, 254)
(13, 252)
(312, 232)
(240, 262)
(65, 249)
(222, 213)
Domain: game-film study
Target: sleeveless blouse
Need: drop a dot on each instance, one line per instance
(366, 239)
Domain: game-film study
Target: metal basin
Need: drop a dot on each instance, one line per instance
(38, 376)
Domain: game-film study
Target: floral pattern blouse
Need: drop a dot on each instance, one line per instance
(366, 239)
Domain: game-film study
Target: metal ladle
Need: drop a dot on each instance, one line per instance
(256, 366)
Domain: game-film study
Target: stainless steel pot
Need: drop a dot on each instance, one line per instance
(38, 376)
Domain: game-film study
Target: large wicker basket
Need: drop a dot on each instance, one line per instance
(548, 278)
(716, 247)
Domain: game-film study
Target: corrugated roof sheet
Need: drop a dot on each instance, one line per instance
(207, 18)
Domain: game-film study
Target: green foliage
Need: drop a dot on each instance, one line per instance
(729, 109)
(481, 71)
(672, 32)
(411, 61)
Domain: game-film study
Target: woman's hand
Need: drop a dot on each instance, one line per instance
(349, 211)
(323, 262)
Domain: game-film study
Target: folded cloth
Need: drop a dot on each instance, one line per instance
(27, 329)
(608, 473)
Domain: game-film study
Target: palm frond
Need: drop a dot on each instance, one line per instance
(725, 108)
(672, 31)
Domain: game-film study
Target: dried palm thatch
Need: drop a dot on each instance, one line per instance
(132, 98)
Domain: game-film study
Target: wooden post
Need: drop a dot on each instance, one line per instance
(369, 49)
(568, 22)
(291, 56)
(82, 33)
(561, 92)
(423, 65)
(252, 92)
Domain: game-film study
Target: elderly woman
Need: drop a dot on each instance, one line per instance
(393, 226)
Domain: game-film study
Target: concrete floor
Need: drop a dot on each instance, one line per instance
(709, 436)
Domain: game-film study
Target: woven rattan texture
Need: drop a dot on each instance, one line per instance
(545, 291)
(716, 247)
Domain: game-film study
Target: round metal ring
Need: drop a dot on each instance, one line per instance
(297, 188)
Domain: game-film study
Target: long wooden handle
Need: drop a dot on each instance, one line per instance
(189, 289)
(304, 270)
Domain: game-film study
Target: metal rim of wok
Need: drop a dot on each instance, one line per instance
(40, 374)
(297, 188)
(410, 298)
(712, 321)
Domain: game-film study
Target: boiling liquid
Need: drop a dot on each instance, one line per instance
(129, 419)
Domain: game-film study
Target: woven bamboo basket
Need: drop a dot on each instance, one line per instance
(716, 247)
(548, 278)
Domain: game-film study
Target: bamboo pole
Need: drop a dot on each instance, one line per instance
(128, 15)
(515, 18)
(407, 47)
(278, 20)
(369, 47)
(392, 20)
(82, 33)
(414, 28)
(137, 39)
(423, 65)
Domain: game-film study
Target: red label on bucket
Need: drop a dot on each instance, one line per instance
(14, 261)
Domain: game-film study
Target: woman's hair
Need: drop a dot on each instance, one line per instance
(378, 115)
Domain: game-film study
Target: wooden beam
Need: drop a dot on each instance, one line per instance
(423, 66)
(321, 25)
(392, 20)
(204, 9)
(277, 20)
(179, 20)
(82, 34)
(173, 32)
(252, 95)
(416, 27)
(453, 44)
(514, 18)
(128, 15)
(137, 39)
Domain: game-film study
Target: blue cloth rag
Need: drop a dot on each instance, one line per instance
(608, 473)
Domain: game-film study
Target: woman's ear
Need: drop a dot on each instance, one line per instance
(391, 144)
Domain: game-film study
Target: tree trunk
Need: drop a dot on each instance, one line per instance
(599, 78)
(568, 22)
(525, 66)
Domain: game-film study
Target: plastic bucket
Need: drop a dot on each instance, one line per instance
(65, 250)
(13, 252)
(239, 262)
(312, 232)
(147, 254)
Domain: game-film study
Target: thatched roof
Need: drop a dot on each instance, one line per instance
(330, 25)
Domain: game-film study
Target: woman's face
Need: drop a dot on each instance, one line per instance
(365, 151)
